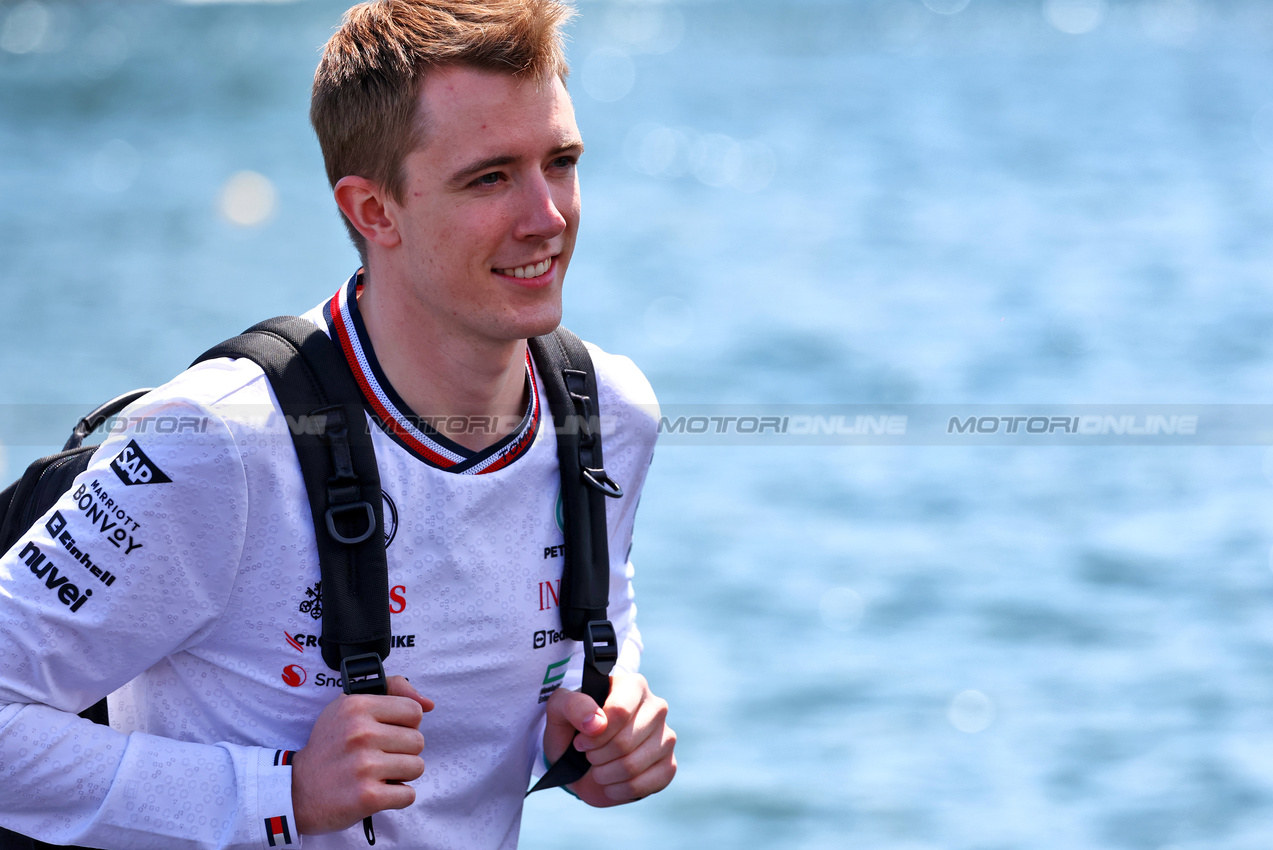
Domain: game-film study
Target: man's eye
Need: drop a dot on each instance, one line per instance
(488, 179)
(564, 162)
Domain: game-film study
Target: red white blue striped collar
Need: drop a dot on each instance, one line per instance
(412, 432)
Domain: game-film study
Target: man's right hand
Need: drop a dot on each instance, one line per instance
(357, 746)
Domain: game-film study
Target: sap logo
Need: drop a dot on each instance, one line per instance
(42, 567)
(544, 638)
(133, 467)
(294, 675)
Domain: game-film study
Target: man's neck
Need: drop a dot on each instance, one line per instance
(444, 376)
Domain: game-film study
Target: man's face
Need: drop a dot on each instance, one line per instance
(491, 205)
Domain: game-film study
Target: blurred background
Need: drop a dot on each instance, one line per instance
(805, 203)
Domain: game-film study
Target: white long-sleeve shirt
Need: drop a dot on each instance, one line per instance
(180, 576)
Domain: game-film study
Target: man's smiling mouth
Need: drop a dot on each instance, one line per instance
(533, 270)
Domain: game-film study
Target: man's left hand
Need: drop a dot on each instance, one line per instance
(628, 743)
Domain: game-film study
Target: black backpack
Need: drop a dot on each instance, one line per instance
(325, 415)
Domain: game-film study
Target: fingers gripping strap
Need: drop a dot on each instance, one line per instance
(601, 651)
(323, 407)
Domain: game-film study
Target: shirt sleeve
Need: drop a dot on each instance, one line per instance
(134, 563)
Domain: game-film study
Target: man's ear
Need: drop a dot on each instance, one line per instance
(365, 204)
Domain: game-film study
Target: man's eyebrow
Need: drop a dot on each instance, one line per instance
(472, 168)
(467, 171)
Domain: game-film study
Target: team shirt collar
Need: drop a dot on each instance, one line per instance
(391, 413)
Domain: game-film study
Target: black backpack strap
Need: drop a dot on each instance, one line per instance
(324, 410)
(571, 385)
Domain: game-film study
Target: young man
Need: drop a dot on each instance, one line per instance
(451, 145)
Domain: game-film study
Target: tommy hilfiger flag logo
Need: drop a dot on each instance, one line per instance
(276, 828)
(283, 758)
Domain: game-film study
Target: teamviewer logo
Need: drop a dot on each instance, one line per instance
(541, 639)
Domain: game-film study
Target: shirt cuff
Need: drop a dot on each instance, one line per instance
(277, 821)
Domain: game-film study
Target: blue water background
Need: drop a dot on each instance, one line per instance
(797, 202)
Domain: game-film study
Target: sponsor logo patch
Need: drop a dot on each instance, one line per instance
(549, 594)
(552, 678)
(133, 467)
(313, 603)
(391, 518)
(276, 831)
(299, 641)
(547, 638)
(294, 675)
(42, 567)
(56, 526)
(106, 516)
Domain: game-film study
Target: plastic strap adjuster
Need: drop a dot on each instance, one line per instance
(600, 645)
(600, 652)
(364, 674)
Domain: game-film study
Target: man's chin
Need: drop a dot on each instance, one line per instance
(543, 321)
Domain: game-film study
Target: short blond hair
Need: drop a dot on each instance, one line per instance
(364, 101)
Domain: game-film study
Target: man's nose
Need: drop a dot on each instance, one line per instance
(541, 215)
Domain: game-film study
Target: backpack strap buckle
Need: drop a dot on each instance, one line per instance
(600, 652)
(364, 674)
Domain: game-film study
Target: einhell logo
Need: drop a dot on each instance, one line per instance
(133, 467)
